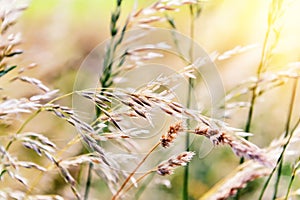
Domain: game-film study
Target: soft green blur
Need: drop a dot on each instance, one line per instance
(59, 34)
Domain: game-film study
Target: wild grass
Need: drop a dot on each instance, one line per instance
(108, 148)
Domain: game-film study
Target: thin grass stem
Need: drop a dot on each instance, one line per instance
(188, 105)
(287, 129)
(31, 117)
(254, 93)
(88, 181)
(280, 157)
(143, 187)
(139, 179)
(292, 179)
(134, 171)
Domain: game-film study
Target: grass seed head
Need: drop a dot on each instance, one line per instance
(171, 135)
(168, 167)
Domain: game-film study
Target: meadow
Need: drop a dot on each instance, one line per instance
(163, 99)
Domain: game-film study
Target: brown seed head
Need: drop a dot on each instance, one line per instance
(172, 133)
(168, 167)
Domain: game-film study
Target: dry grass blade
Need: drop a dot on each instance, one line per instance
(266, 82)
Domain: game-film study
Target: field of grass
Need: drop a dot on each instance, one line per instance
(164, 99)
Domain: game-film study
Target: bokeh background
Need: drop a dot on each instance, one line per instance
(59, 34)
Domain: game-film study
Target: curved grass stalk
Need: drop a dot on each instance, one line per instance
(139, 179)
(31, 117)
(134, 171)
(21, 128)
(139, 193)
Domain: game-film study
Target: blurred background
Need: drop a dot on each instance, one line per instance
(59, 34)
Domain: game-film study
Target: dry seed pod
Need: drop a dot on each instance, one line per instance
(171, 135)
(168, 167)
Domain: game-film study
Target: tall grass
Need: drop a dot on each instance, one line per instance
(108, 146)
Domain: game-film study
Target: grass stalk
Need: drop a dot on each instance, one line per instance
(139, 179)
(105, 79)
(188, 105)
(135, 170)
(287, 129)
(258, 74)
(59, 153)
(254, 92)
(139, 193)
(292, 179)
(88, 181)
(21, 128)
(31, 117)
(280, 159)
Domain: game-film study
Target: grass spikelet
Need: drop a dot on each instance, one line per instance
(134, 125)
(40, 98)
(11, 107)
(11, 166)
(9, 14)
(168, 167)
(236, 180)
(69, 179)
(78, 160)
(240, 147)
(171, 135)
(8, 193)
(34, 82)
(248, 171)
